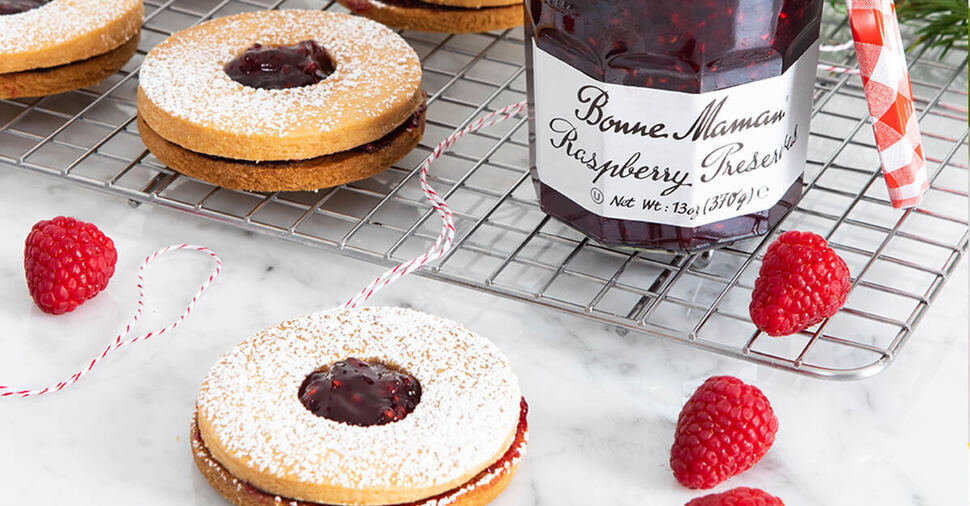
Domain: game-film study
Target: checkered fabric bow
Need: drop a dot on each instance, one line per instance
(882, 65)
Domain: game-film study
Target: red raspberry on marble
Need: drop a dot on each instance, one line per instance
(724, 429)
(802, 282)
(67, 262)
(741, 496)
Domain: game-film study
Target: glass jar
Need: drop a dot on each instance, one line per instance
(670, 125)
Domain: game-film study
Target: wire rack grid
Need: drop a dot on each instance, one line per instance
(505, 245)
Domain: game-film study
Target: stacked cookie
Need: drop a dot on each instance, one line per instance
(281, 100)
(48, 48)
(433, 416)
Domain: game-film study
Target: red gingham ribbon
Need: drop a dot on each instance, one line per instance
(447, 235)
(882, 64)
(120, 341)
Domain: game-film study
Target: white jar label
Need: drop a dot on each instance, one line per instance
(668, 157)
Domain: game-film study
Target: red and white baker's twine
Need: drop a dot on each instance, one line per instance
(835, 48)
(120, 341)
(838, 69)
(447, 235)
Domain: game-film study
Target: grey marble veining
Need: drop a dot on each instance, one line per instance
(603, 405)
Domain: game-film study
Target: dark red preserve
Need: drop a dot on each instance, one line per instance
(280, 67)
(360, 393)
(670, 125)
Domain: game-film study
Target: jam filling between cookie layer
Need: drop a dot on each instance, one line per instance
(501, 465)
(18, 6)
(360, 393)
(281, 67)
(414, 122)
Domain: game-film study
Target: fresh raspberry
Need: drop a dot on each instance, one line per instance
(741, 496)
(67, 262)
(802, 282)
(724, 429)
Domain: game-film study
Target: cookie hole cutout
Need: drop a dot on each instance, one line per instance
(280, 67)
(361, 392)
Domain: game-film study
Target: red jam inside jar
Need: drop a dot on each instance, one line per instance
(690, 47)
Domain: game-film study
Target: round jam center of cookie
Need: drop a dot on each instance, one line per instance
(360, 393)
(280, 67)
(17, 6)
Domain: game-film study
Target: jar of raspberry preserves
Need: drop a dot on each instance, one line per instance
(670, 125)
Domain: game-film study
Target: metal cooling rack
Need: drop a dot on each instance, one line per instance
(507, 246)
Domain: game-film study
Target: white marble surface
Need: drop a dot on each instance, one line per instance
(603, 405)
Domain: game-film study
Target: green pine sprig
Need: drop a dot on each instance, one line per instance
(938, 23)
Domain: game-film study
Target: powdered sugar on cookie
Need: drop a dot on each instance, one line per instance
(467, 416)
(229, 485)
(44, 36)
(376, 72)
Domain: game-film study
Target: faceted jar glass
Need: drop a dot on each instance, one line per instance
(687, 46)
